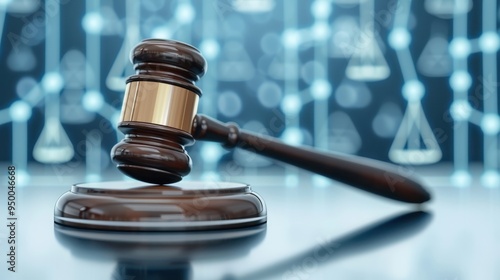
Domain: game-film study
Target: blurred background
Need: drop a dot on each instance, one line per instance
(409, 82)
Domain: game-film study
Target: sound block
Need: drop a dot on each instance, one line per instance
(137, 206)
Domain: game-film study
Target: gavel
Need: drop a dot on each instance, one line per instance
(159, 119)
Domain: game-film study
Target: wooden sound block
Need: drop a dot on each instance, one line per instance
(137, 206)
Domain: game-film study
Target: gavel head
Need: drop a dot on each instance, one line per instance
(160, 103)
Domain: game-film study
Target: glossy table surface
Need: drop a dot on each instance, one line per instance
(314, 231)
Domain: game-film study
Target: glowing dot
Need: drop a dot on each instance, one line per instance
(184, 13)
(490, 179)
(52, 82)
(229, 104)
(321, 9)
(291, 104)
(161, 32)
(92, 23)
(269, 94)
(460, 81)
(20, 111)
(490, 124)
(321, 30)
(292, 136)
(459, 47)
(399, 38)
(210, 48)
(460, 110)
(413, 90)
(321, 89)
(461, 178)
(92, 101)
(211, 152)
(291, 38)
(489, 42)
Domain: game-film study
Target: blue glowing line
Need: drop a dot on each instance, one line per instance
(52, 58)
(403, 15)
(33, 97)
(291, 57)
(52, 39)
(93, 83)
(210, 83)
(403, 54)
(53, 145)
(476, 117)
(209, 33)
(474, 45)
(115, 79)
(406, 63)
(291, 86)
(489, 15)
(490, 60)
(93, 54)
(321, 106)
(93, 46)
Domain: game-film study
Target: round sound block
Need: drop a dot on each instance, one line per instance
(136, 206)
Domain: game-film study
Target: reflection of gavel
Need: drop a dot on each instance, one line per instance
(159, 119)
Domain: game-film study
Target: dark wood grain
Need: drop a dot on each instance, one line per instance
(155, 153)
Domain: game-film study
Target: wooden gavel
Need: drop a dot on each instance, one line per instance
(159, 119)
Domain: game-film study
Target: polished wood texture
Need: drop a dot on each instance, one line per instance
(151, 152)
(369, 175)
(155, 153)
(169, 62)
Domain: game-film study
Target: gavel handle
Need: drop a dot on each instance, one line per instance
(366, 174)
